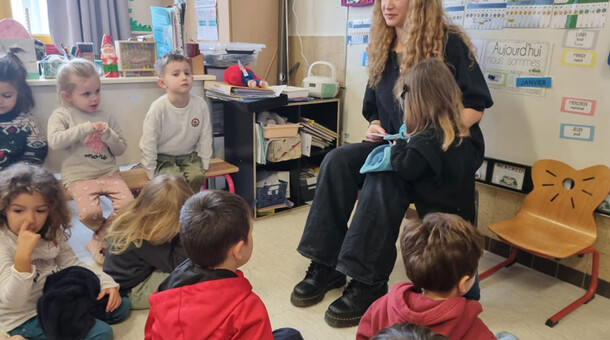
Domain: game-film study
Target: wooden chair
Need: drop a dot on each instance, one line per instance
(556, 219)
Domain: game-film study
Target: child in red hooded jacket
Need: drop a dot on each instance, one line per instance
(441, 255)
(207, 297)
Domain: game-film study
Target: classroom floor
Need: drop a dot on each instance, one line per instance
(516, 299)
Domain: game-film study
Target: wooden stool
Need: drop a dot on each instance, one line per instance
(218, 168)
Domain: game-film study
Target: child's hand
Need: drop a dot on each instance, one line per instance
(26, 242)
(99, 127)
(114, 299)
(374, 133)
(27, 239)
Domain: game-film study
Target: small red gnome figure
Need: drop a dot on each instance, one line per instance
(109, 57)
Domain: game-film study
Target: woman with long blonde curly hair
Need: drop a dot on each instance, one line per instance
(144, 238)
(403, 34)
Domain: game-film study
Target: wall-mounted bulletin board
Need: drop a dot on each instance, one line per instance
(139, 15)
(547, 65)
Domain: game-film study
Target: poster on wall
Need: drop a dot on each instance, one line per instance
(455, 11)
(485, 14)
(207, 22)
(356, 2)
(139, 15)
(509, 176)
(358, 31)
(529, 13)
(579, 13)
(503, 61)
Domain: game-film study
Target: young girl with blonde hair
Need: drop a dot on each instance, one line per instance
(92, 139)
(34, 228)
(144, 238)
(403, 33)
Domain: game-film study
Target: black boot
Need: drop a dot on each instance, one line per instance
(347, 310)
(318, 280)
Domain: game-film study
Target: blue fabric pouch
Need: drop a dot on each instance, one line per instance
(379, 158)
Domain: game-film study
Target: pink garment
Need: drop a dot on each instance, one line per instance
(87, 194)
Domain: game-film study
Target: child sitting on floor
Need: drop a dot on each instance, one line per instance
(34, 228)
(207, 296)
(144, 239)
(177, 133)
(441, 254)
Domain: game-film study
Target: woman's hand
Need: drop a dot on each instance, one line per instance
(114, 299)
(375, 132)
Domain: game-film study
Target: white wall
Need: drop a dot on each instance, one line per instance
(317, 17)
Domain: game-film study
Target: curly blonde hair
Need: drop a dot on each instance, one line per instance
(23, 178)
(154, 216)
(433, 99)
(426, 27)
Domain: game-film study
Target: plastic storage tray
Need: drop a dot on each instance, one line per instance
(269, 195)
(226, 54)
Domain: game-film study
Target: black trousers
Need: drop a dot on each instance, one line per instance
(365, 251)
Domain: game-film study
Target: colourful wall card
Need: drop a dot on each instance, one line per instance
(455, 11)
(508, 176)
(485, 14)
(358, 31)
(578, 58)
(534, 81)
(578, 132)
(503, 61)
(580, 39)
(579, 13)
(528, 13)
(579, 106)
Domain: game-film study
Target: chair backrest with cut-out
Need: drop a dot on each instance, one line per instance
(566, 196)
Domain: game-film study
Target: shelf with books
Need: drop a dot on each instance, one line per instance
(240, 141)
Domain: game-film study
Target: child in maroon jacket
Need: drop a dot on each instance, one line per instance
(441, 254)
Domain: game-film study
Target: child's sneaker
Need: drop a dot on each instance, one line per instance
(98, 250)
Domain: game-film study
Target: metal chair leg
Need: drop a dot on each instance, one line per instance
(510, 260)
(589, 295)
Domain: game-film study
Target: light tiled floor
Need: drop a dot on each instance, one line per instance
(516, 299)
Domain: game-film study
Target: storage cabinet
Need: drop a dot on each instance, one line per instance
(240, 141)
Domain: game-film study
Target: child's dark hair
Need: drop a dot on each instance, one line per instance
(166, 59)
(211, 222)
(407, 331)
(439, 250)
(13, 72)
(25, 178)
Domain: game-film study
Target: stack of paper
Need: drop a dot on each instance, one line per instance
(224, 91)
(321, 136)
(294, 93)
